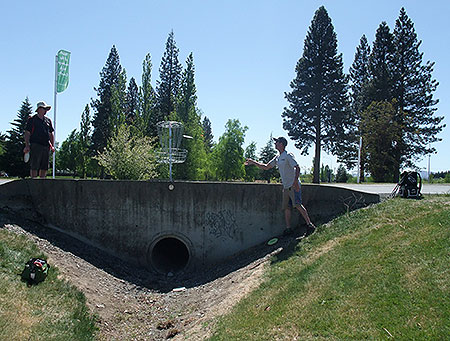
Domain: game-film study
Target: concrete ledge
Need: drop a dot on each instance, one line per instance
(196, 224)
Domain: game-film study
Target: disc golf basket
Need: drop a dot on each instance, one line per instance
(170, 134)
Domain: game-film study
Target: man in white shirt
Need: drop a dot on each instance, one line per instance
(289, 171)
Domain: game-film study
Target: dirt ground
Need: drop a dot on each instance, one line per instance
(135, 304)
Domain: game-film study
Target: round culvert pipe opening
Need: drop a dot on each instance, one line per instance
(170, 255)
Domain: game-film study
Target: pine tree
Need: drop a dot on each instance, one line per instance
(251, 172)
(84, 141)
(207, 134)
(12, 158)
(170, 77)
(148, 100)
(132, 100)
(267, 154)
(187, 94)
(118, 102)
(68, 154)
(317, 112)
(104, 116)
(2, 144)
(359, 81)
(413, 88)
(195, 166)
(380, 130)
(380, 66)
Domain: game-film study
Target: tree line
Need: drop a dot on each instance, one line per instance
(385, 104)
(386, 101)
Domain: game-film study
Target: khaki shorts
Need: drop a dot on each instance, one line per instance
(290, 196)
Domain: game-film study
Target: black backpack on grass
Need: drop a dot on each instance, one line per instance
(35, 270)
(410, 185)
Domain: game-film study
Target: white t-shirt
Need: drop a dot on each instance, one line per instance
(285, 163)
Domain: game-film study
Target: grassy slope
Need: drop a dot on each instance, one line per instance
(51, 310)
(373, 274)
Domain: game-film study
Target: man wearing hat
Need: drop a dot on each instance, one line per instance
(39, 140)
(289, 171)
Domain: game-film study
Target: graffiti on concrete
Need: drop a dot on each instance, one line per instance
(353, 202)
(221, 224)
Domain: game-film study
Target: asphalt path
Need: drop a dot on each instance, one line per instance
(370, 188)
(388, 188)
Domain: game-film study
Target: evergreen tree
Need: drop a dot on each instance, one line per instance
(251, 172)
(2, 143)
(170, 77)
(381, 66)
(148, 113)
(228, 154)
(413, 88)
(68, 154)
(12, 158)
(359, 82)
(132, 100)
(103, 112)
(195, 166)
(326, 174)
(267, 154)
(118, 102)
(317, 111)
(84, 142)
(380, 131)
(187, 94)
(341, 174)
(207, 134)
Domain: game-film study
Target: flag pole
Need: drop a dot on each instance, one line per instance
(54, 115)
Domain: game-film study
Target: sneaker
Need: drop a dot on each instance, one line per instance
(310, 228)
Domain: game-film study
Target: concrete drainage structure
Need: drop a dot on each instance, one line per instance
(188, 227)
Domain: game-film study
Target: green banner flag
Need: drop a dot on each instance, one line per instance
(62, 80)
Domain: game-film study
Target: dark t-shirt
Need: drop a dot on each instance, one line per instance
(39, 129)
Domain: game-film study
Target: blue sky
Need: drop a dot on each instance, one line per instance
(244, 52)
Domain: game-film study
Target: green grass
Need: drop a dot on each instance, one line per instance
(376, 273)
(50, 310)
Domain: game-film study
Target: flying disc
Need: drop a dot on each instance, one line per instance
(272, 241)
(26, 157)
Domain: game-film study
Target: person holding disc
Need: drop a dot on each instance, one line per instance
(39, 141)
(289, 171)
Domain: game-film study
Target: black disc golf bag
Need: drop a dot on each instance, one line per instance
(410, 185)
(35, 270)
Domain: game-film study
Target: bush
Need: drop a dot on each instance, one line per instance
(129, 157)
(341, 175)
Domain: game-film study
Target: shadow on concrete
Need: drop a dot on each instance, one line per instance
(143, 277)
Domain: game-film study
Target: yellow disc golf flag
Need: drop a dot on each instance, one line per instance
(62, 80)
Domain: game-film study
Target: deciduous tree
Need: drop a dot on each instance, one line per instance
(228, 154)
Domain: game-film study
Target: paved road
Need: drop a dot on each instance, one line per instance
(4, 181)
(387, 188)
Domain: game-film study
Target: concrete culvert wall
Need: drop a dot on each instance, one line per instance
(169, 254)
(187, 227)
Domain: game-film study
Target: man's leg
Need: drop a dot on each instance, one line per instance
(33, 173)
(287, 217)
(304, 214)
(42, 173)
(310, 228)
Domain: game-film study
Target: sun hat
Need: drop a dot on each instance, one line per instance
(281, 140)
(44, 105)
